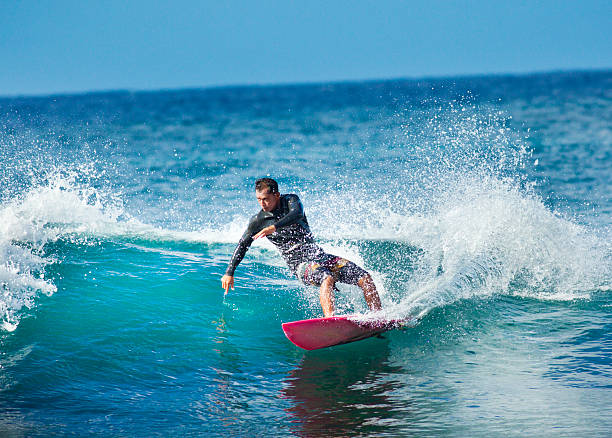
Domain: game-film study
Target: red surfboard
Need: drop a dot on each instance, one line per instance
(311, 334)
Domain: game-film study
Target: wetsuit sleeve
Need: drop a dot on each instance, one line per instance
(295, 214)
(243, 245)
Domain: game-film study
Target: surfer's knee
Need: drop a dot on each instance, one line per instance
(328, 281)
(366, 279)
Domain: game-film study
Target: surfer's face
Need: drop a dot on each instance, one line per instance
(267, 200)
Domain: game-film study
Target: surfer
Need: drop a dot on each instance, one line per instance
(283, 222)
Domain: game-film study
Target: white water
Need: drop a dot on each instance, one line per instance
(479, 236)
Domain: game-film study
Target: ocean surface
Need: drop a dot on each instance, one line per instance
(482, 206)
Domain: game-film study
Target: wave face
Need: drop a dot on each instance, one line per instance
(481, 207)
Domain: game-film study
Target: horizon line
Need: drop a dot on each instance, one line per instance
(238, 85)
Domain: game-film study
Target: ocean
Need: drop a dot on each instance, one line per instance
(482, 207)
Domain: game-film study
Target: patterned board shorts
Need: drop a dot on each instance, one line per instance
(343, 270)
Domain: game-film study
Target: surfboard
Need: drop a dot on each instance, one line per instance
(312, 334)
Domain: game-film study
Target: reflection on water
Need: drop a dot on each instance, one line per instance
(220, 399)
(343, 391)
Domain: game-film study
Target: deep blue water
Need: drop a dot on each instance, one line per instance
(482, 206)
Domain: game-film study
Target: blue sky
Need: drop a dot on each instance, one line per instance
(70, 46)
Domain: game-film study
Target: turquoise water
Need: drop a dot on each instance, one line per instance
(482, 206)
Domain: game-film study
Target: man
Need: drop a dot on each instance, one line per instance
(283, 222)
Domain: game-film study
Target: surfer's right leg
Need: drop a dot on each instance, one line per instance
(326, 295)
(316, 274)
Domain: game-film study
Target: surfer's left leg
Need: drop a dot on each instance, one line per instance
(350, 273)
(369, 292)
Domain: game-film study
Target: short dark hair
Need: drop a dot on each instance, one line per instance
(266, 183)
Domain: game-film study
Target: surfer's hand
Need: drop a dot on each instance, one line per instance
(265, 232)
(226, 282)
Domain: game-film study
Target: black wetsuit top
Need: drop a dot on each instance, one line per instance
(292, 236)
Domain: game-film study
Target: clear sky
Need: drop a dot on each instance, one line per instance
(79, 45)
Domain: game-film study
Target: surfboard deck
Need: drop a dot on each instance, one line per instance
(312, 334)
